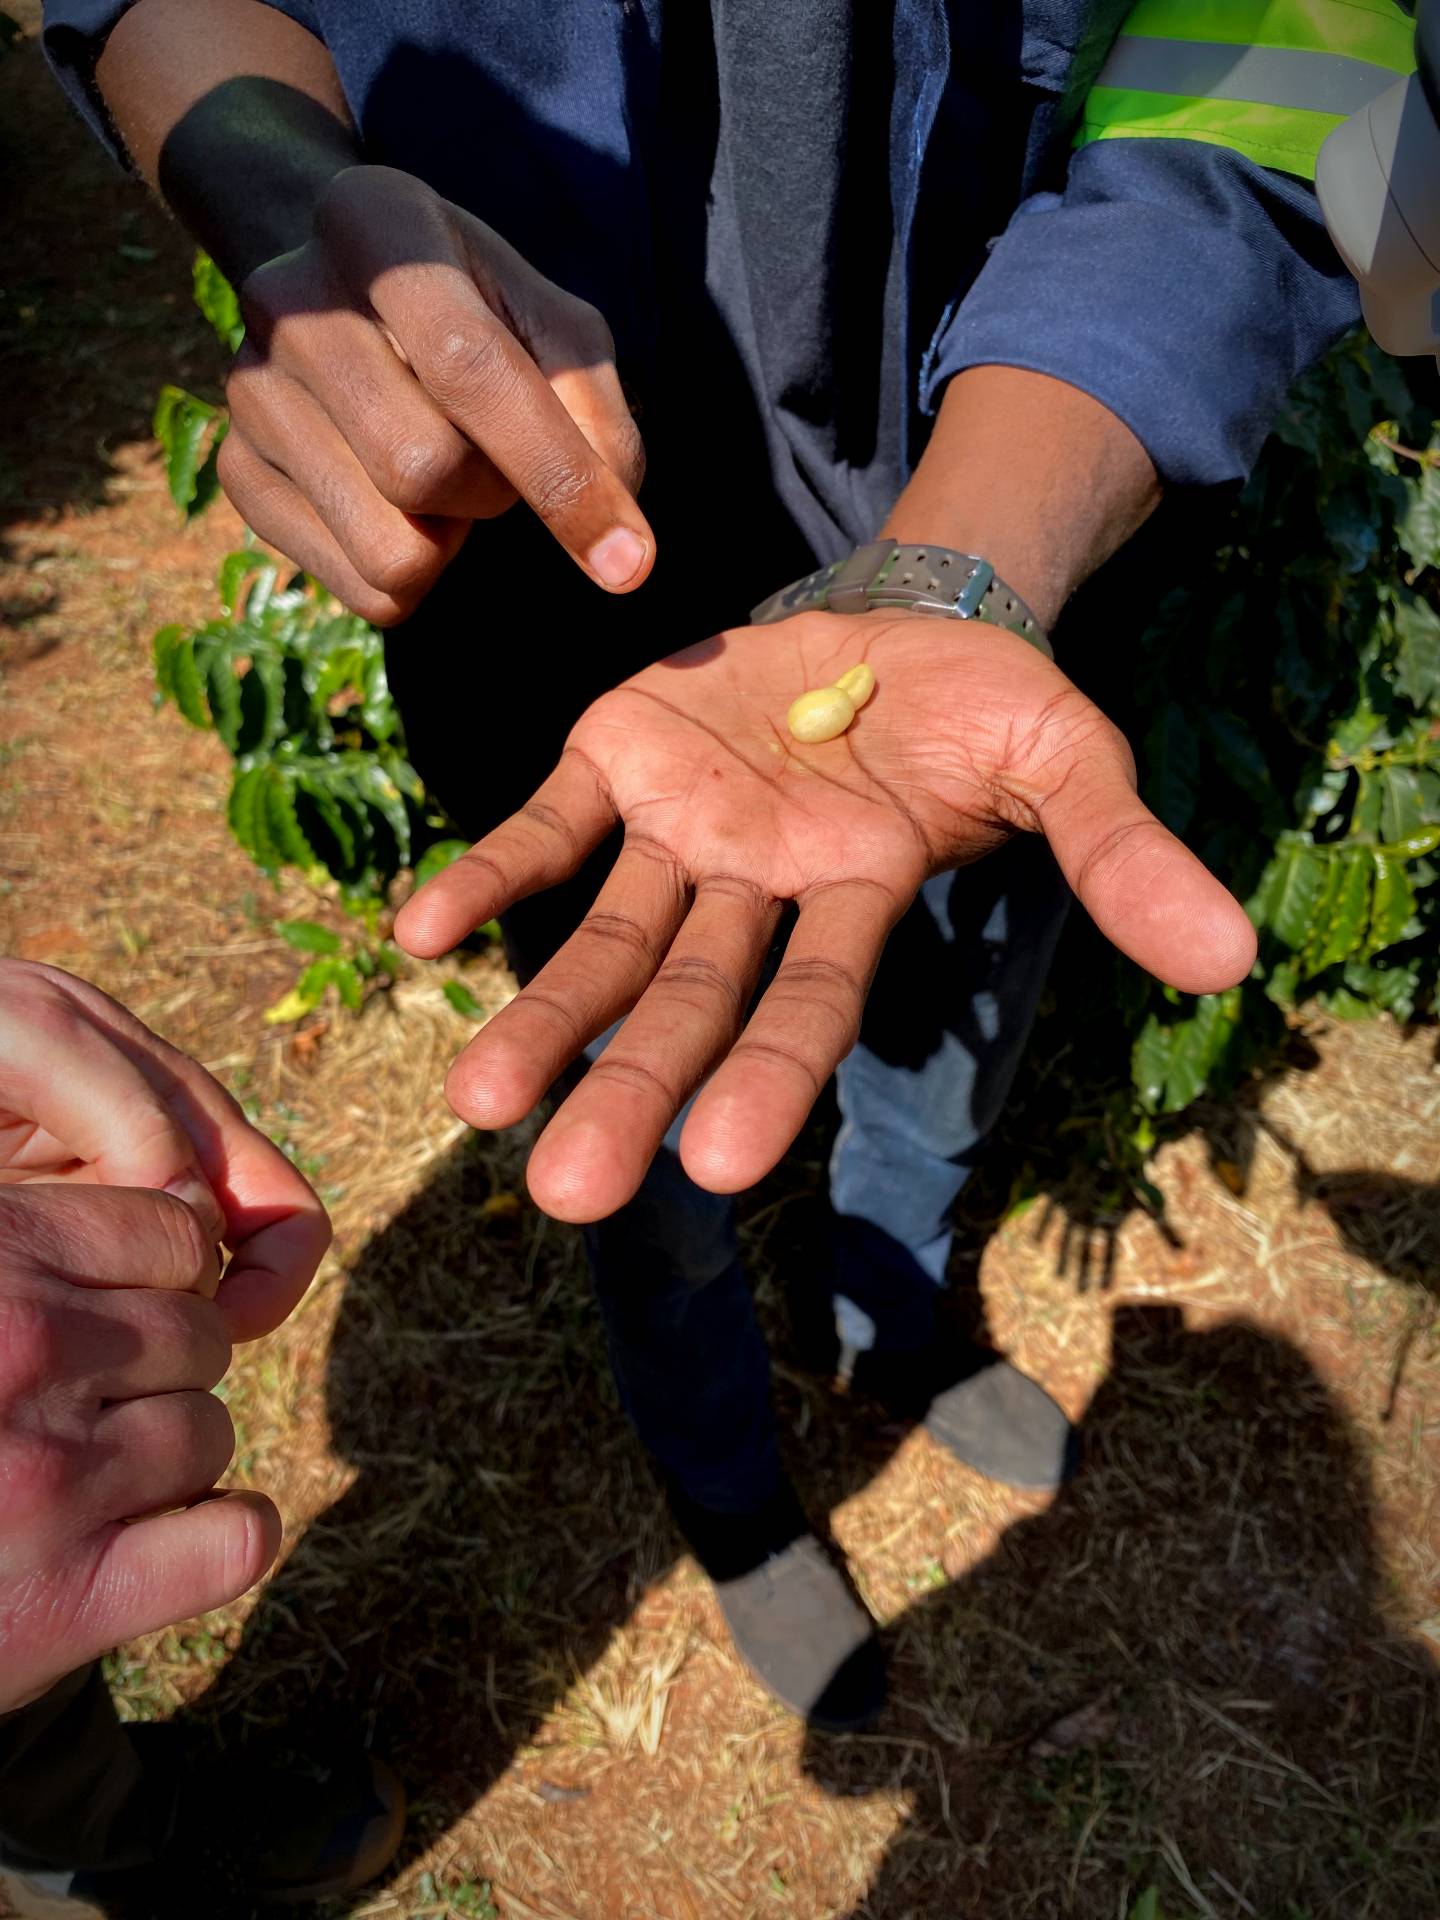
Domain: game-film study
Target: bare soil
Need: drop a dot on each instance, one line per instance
(1209, 1666)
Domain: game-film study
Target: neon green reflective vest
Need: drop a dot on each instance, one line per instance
(1267, 78)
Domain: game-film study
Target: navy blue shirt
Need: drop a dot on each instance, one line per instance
(800, 217)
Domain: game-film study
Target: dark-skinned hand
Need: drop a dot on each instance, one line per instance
(971, 736)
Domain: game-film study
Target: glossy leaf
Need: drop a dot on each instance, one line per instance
(462, 1000)
(308, 936)
(216, 299)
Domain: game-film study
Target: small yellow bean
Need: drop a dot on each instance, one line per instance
(825, 712)
(859, 683)
(822, 714)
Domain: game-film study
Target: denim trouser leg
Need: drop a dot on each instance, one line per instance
(689, 1358)
(947, 1021)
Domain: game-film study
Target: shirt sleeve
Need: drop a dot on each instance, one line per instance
(1181, 285)
(73, 35)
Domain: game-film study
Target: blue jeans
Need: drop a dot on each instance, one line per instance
(952, 1005)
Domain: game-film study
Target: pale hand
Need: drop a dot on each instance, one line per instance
(971, 735)
(123, 1169)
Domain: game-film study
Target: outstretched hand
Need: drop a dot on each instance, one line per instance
(970, 736)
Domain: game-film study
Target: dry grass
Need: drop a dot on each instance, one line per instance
(1210, 1665)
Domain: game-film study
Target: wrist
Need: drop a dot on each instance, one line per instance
(1033, 475)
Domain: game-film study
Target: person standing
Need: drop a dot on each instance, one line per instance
(576, 332)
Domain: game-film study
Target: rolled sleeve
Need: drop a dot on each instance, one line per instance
(1182, 286)
(74, 35)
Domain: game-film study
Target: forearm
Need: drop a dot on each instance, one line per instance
(234, 114)
(1032, 473)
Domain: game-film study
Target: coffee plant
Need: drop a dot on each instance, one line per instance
(1294, 732)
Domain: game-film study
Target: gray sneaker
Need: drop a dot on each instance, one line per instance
(791, 1614)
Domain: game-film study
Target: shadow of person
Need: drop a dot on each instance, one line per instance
(500, 1522)
(1182, 1673)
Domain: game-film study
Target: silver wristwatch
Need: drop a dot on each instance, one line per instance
(960, 586)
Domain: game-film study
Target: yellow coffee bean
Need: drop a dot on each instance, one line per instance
(822, 714)
(859, 683)
(825, 712)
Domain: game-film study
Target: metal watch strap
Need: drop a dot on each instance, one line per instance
(960, 586)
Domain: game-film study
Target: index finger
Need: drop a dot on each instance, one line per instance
(546, 842)
(487, 384)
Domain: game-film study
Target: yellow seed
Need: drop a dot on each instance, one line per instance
(859, 683)
(822, 714)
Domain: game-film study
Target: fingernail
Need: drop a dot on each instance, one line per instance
(618, 557)
(190, 1188)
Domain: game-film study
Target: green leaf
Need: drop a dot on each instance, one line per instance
(308, 936)
(1282, 983)
(1289, 892)
(216, 299)
(1150, 1063)
(1392, 904)
(1402, 802)
(1418, 529)
(235, 569)
(436, 857)
(348, 983)
(181, 424)
(305, 995)
(1147, 1907)
(1172, 767)
(207, 475)
(1417, 661)
(389, 959)
(187, 684)
(462, 1000)
(1197, 1047)
(162, 649)
(1342, 919)
(1342, 1004)
(1396, 988)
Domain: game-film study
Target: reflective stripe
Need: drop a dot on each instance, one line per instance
(1274, 137)
(1267, 78)
(1270, 76)
(1376, 30)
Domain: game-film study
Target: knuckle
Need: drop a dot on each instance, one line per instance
(347, 206)
(402, 569)
(31, 1349)
(413, 472)
(193, 1432)
(467, 359)
(589, 330)
(556, 488)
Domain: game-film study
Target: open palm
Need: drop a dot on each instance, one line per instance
(971, 735)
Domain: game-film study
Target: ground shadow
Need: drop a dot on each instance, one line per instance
(95, 312)
(1207, 1593)
(1181, 1674)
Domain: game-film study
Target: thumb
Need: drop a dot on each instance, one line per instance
(1145, 890)
(154, 1572)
